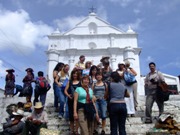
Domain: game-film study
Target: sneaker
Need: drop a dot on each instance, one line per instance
(60, 117)
(102, 132)
(148, 121)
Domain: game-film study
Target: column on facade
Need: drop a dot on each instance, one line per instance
(113, 52)
(71, 53)
(71, 41)
(53, 57)
(129, 54)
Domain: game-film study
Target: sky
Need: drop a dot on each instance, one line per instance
(25, 24)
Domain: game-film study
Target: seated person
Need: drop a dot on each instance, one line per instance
(37, 120)
(15, 125)
(28, 105)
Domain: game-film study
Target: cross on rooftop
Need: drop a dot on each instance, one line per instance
(92, 10)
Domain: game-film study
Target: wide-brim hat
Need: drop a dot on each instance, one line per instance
(10, 70)
(127, 62)
(104, 57)
(29, 70)
(121, 63)
(19, 112)
(38, 105)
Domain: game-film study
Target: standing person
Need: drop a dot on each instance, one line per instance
(99, 89)
(62, 80)
(131, 85)
(118, 110)
(92, 74)
(10, 83)
(27, 86)
(38, 119)
(120, 70)
(56, 70)
(151, 86)
(80, 65)
(106, 70)
(41, 88)
(87, 68)
(84, 107)
(73, 83)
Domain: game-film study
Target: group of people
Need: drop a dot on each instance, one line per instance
(20, 122)
(41, 86)
(91, 92)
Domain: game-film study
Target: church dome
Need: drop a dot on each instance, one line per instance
(56, 32)
(130, 30)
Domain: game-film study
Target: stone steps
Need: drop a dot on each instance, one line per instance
(134, 125)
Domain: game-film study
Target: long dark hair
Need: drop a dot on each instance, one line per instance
(115, 77)
(60, 64)
(92, 68)
(78, 75)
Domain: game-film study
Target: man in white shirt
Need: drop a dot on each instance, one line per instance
(36, 120)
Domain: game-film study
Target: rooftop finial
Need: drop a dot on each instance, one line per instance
(92, 10)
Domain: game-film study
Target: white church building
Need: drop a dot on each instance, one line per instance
(94, 38)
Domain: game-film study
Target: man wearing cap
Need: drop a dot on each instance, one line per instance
(10, 83)
(37, 120)
(14, 126)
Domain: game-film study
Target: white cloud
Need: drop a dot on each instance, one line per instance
(68, 22)
(123, 3)
(19, 33)
(135, 26)
(167, 7)
(175, 64)
(3, 69)
(136, 11)
(49, 2)
(149, 59)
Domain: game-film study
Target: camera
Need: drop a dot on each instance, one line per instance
(152, 80)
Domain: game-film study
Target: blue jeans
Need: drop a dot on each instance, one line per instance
(118, 113)
(42, 95)
(55, 87)
(66, 109)
(101, 106)
(62, 100)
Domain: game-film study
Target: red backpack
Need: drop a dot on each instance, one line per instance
(42, 83)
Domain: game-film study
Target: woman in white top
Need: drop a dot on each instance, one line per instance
(61, 80)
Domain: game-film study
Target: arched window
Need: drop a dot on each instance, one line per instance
(92, 28)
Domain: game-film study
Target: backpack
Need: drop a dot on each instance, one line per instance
(129, 78)
(42, 83)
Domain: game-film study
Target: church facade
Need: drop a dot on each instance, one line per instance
(94, 38)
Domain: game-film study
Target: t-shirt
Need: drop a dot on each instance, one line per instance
(81, 65)
(82, 94)
(116, 91)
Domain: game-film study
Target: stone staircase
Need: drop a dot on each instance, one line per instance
(134, 125)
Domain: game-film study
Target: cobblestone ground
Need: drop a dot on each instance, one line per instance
(134, 125)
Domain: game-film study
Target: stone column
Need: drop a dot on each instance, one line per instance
(129, 54)
(113, 52)
(71, 53)
(53, 57)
